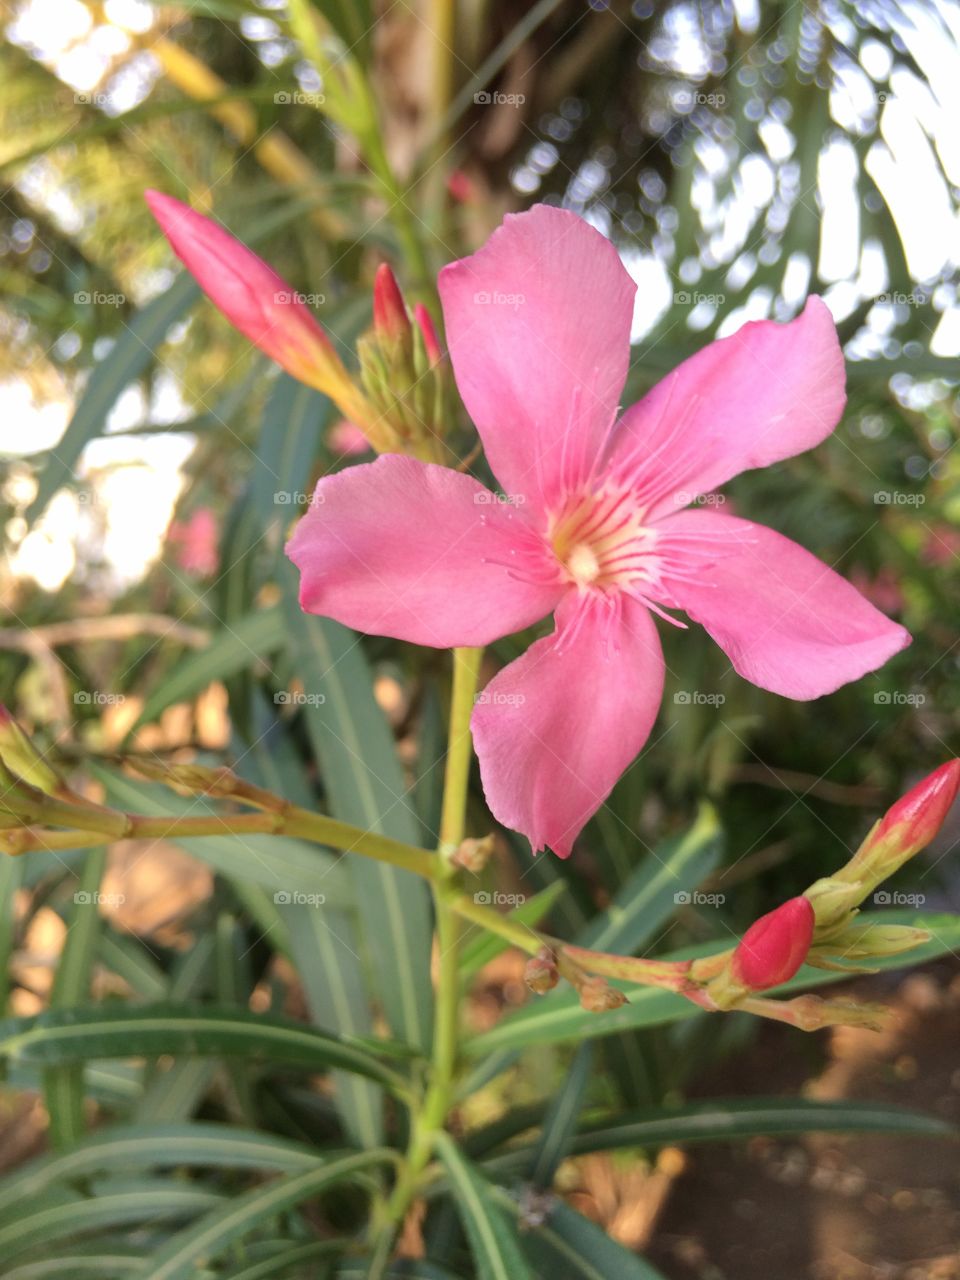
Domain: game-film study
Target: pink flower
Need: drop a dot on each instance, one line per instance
(197, 543)
(591, 526)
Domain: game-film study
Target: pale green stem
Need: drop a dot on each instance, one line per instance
(432, 1115)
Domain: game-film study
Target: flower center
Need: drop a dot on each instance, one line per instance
(601, 542)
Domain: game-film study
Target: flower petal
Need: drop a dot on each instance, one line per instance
(403, 548)
(555, 729)
(766, 393)
(538, 328)
(785, 620)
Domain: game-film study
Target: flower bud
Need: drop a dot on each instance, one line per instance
(775, 946)
(20, 802)
(256, 301)
(905, 829)
(918, 816)
(597, 996)
(390, 320)
(833, 900)
(431, 343)
(870, 941)
(21, 756)
(541, 974)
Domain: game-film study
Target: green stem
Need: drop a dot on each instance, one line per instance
(466, 673)
(113, 824)
(436, 1104)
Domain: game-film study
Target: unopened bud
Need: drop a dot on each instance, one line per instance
(869, 941)
(254, 298)
(428, 333)
(19, 802)
(775, 946)
(833, 900)
(597, 996)
(22, 757)
(906, 828)
(541, 974)
(188, 779)
(390, 320)
(917, 817)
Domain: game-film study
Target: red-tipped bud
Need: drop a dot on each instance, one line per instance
(917, 817)
(390, 320)
(256, 301)
(430, 342)
(460, 186)
(775, 946)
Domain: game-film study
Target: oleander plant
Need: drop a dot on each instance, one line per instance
(375, 849)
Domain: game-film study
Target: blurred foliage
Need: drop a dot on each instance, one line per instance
(697, 136)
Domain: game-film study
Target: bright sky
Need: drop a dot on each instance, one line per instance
(136, 481)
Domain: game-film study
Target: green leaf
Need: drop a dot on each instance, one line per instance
(143, 1147)
(143, 1202)
(127, 360)
(569, 1245)
(209, 1237)
(63, 1086)
(492, 1236)
(323, 944)
(560, 1124)
(243, 644)
(648, 897)
(117, 1031)
(11, 878)
(727, 1120)
(289, 444)
(365, 786)
(558, 1016)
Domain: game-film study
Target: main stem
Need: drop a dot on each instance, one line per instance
(436, 1103)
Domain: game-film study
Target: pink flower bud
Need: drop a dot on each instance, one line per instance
(775, 946)
(430, 343)
(461, 187)
(390, 319)
(256, 301)
(917, 817)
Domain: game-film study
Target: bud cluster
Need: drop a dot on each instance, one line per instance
(401, 400)
(820, 928)
(402, 369)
